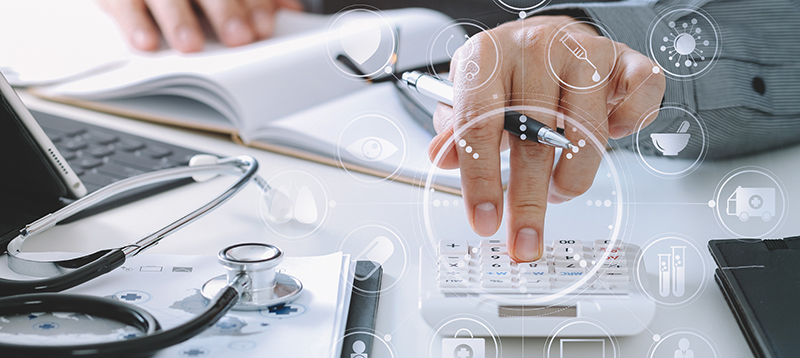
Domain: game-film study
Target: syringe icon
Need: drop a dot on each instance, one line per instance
(579, 52)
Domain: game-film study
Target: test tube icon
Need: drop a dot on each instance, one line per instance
(678, 271)
(378, 251)
(664, 270)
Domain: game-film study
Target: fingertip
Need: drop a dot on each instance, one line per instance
(144, 40)
(484, 219)
(263, 22)
(188, 39)
(237, 32)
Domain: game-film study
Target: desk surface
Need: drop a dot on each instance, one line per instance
(657, 206)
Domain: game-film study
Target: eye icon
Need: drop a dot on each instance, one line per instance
(371, 149)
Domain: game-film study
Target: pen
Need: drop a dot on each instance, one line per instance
(515, 123)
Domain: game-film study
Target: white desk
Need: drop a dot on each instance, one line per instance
(660, 206)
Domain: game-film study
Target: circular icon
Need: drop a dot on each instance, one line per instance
(516, 6)
(750, 202)
(683, 343)
(685, 138)
(385, 150)
(361, 37)
(684, 42)
(363, 344)
(567, 340)
(380, 247)
(671, 270)
(451, 38)
(465, 337)
(564, 44)
(297, 204)
(443, 220)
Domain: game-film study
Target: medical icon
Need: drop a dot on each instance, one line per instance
(358, 350)
(371, 149)
(683, 350)
(579, 52)
(463, 347)
(672, 272)
(378, 251)
(303, 208)
(360, 39)
(582, 347)
(465, 64)
(685, 40)
(746, 202)
(670, 144)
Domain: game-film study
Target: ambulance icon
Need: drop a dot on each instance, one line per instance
(747, 202)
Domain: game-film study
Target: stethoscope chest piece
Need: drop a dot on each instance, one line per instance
(265, 287)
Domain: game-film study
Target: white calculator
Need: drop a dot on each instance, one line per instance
(591, 280)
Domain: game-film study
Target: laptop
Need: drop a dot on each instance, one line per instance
(53, 161)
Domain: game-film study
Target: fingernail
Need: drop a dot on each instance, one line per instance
(142, 39)
(619, 131)
(485, 216)
(188, 39)
(237, 32)
(262, 21)
(526, 244)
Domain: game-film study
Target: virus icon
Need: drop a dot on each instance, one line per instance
(685, 44)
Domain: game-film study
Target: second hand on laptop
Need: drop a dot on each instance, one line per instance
(515, 123)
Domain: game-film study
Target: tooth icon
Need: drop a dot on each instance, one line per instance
(305, 208)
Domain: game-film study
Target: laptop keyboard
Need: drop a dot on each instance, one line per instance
(101, 156)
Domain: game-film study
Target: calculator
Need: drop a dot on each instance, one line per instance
(573, 280)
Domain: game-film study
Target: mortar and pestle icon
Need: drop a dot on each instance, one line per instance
(670, 144)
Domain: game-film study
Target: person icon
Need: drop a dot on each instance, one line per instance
(358, 350)
(683, 350)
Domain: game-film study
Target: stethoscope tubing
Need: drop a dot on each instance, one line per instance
(71, 273)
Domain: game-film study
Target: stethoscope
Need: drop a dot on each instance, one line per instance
(251, 282)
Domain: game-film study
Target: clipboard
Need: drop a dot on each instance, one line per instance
(761, 283)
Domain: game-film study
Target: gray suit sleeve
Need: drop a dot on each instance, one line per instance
(748, 100)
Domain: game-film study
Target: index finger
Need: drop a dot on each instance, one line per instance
(478, 128)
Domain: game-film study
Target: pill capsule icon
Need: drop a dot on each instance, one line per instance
(378, 251)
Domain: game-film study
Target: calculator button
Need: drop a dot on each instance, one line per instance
(496, 274)
(453, 281)
(566, 247)
(453, 247)
(495, 258)
(569, 274)
(492, 242)
(453, 266)
(612, 276)
(495, 266)
(501, 282)
(493, 250)
(571, 264)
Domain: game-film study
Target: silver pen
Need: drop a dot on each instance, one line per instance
(515, 123)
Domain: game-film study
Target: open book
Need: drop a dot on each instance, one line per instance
(289, 94)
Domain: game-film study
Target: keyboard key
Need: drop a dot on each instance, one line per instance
(73, 145)
(69, 156)
(128, 159)
(99, 152)
(97, 179)
(453, 247)
(117, 171)
(89, 163)
(490, 266)
(129, 145)
(156, 152)
(101, 138)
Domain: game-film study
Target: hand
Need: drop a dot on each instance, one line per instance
(612, 110)
(236, 22)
